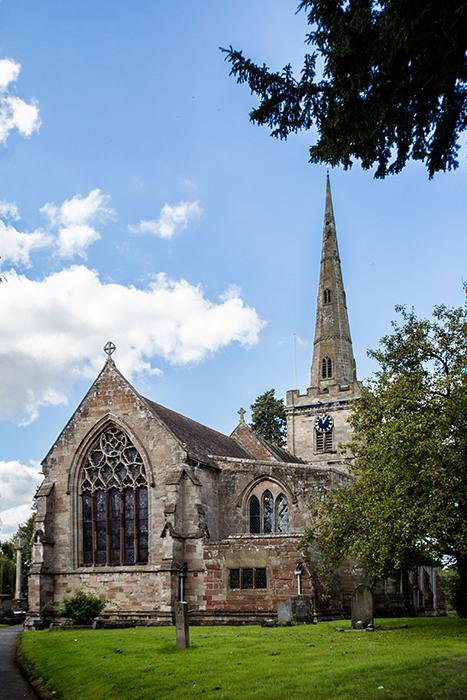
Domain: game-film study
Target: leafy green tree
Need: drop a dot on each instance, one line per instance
(7, 568)
(408, 502)
(8, 559)
(450, 584)
(268, 418)
(27, 530)
(394, 85)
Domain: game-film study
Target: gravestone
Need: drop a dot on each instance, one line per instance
(181, 625)
(284, 612)
(362, 607)
(297, 609)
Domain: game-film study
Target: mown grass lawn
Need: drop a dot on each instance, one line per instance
(426, 661)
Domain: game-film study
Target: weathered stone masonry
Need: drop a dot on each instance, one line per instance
(133, 490)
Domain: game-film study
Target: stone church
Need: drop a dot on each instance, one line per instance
(145, 505)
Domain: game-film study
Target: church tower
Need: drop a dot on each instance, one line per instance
(317, 420)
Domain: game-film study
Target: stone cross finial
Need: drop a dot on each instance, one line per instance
(109, 349)
(241, 413)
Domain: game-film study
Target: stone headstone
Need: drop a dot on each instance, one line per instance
(302, 608)
(297, 609)
(284, 612)
(181, 625)
(362, 607)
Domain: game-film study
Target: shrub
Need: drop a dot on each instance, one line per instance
(82, 606)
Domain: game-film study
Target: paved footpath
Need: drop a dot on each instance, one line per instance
(13, 685)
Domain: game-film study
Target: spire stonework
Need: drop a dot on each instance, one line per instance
(333, 361)
(317, 420)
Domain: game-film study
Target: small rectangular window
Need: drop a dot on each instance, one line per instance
(234, 578)
(261, 581)
(247, 578)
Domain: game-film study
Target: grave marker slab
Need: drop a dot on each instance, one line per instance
(362, 607)
(181, 625)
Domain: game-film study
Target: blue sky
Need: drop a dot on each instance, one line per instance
(140, 205)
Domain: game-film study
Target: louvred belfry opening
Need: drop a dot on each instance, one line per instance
(114, 492)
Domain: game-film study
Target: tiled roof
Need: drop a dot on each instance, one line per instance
(279, 452)
(201, 442)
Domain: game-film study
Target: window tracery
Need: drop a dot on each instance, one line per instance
(327, 296)
(268, 514)
(115, 502)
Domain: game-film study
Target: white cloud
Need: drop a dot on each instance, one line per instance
(15, 246)
(9, 210)
(18, 484)
(53, 332)
(9, 71)
(171, 220)
(74, 221)
(15, 113)
(12, 518)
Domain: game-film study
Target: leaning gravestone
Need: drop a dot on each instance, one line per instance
(362, 607)
(181, 625)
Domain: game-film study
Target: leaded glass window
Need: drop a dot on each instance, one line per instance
(268, 512)
(248, 578)
(255, 516)
(247, 581)
(282, 508)
(115, 502)
(261, 580)
(234, 578)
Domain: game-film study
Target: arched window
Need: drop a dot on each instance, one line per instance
(326, 368)
(268, 513)
(255, 516)
(115, 502)
(282, 513)
(327, 296)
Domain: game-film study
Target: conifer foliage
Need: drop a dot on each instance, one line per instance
(268, 418)
(394, 85)
(407, 505)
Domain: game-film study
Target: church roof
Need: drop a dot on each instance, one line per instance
(202, 443)
(279, 452)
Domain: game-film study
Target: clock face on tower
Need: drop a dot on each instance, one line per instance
(323, 424)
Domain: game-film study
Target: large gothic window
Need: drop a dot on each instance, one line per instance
(268, 514)
(114, 492)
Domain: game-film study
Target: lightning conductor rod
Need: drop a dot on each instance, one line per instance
(295, 358)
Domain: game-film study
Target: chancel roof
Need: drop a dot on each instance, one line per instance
(202, 443)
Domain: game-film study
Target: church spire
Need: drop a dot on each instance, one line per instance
(333, 364)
